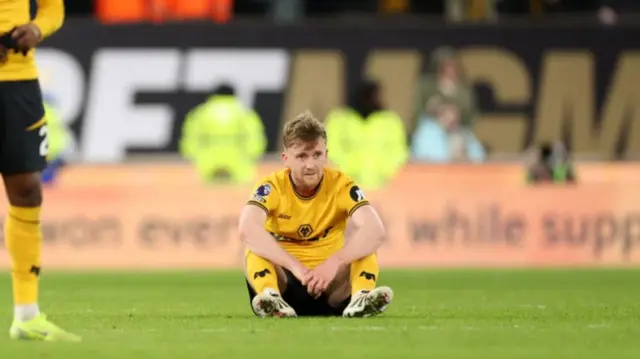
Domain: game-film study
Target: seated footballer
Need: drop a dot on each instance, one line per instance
(298, 261)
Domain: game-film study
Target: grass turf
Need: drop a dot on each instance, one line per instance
(435, 314)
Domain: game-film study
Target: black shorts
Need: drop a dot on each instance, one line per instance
(23, 133)
(304, 304)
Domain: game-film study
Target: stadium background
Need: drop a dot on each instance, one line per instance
(541, 71)
(129, 200)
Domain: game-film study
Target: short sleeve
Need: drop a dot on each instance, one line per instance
(265, 196)
(351, 197)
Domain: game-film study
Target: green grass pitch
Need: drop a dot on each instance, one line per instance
(435, 314)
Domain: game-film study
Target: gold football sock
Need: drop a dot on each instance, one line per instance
(364, 274)
(24, 241)
(261, 273)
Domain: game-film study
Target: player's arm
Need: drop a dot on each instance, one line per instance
(48, 20)
(368, 236)
(369, 230)
(256, 238)
(50, 17)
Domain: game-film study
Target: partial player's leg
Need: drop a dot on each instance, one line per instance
(22, 157)
(353, 292)
(23, 241)
(366, 299)
(265, 283)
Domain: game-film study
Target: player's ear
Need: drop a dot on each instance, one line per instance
(284, 156)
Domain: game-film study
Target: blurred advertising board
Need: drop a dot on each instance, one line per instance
(126, 89)
(160, 217)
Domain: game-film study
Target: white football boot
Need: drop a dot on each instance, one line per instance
(368, 303)
(269, 303)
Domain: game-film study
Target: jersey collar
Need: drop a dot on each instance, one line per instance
(313, 194)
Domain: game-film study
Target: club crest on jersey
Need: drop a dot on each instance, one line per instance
(305, 230)
(356, 194)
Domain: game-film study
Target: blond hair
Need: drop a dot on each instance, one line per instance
(305, 128)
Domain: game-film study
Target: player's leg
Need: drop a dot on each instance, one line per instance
(338, 295)
(265, 283)
(366, 298)
(22, 158)
(353, 292)
(23, 241)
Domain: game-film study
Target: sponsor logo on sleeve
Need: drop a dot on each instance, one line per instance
(261, 193)
(356, 194)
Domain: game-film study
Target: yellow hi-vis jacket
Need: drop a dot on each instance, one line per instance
(223, 136)
(57, 133)
(371, 150)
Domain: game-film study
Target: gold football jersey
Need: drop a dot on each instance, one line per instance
(310, 228)
(50, 16)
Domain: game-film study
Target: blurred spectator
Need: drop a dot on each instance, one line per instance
(366, 140)
(287, 11)
(445, 81)
(609, 10)
(550, 163)
(459, 10)
(223, 138)
(444, 139)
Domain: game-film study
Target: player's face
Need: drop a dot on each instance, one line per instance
(306, 161)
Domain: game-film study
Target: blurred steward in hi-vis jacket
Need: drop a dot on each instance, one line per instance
(223, 138)
(58, 141)
(365, 140)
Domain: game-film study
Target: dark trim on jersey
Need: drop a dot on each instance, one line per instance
(315, 190)
(256, 203)
(33, 9)
(363, 203)
(23, 220)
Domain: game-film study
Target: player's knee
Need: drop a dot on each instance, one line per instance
(24, 190)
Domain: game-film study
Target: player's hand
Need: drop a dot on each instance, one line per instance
(27, 36)
(314, 284)
(321, 276)
(300, 272)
